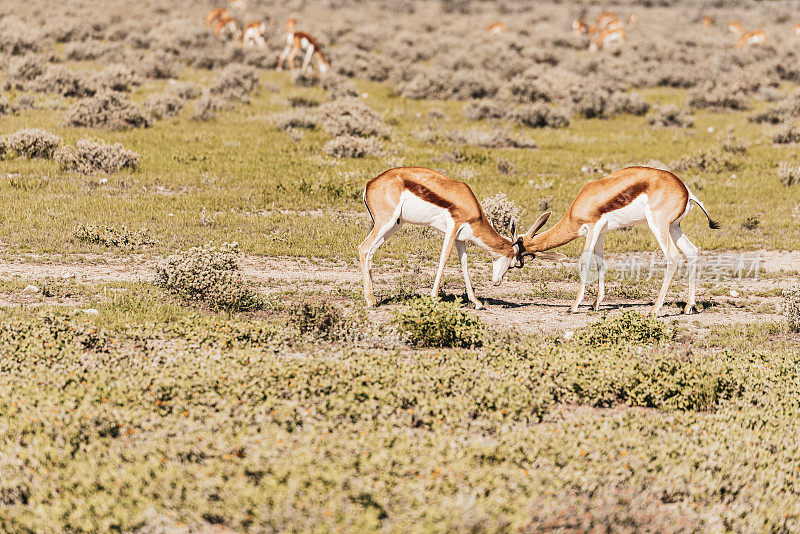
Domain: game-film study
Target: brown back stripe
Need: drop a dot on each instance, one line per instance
(426, 194)
(623, 198)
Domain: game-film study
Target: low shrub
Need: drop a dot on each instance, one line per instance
(63, 81)
(716, 96)
(185, 90)
(501, 212)
(31, 143)
(208, 275)
(485, 109)
(493, 139)
(297, 118)
(24, 70)
(339, 87)
(350, 117)
(91, 156)
(323, 320)
(751, 222)
(163, 106)
(789, 173)
(789, 134)
(626, 103)
(349, 146)
(667, 116)
(505, 166)
(429, 322)
(107, 109)
(235, 82)
(306, 79)
(115, 77)
(626, 328)
(159, 66)
(111, 237)
(714, 160)
(539, 115)
(791, 308)
(207, 106)
(6, 107)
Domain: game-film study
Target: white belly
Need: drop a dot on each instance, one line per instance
(415, 210)
(630, 215)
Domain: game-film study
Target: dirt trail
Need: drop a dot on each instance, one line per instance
(512, 305)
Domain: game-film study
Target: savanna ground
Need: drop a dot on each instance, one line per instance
(126, 406)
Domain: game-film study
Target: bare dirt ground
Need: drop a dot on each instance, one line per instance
(522, 304)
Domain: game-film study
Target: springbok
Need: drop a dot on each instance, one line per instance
(226, 24)
(239, 4)
(215, 14)
(627, 197)
(584, 30)
(755, 37)
(496, 27)
(295, 41)
(253, 35)
(633, 19)
(797, 30)
(707, 21)
(735, 26)
(416, 195)
(604, 19)
(606, 37)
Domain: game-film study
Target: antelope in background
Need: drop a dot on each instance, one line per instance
(627, 197)
(253, 35)
(755, 37)
(707, 21)
(214, 14)
(496, 27)
(296, 41)
(735, 26)
(416, 195)
(606, 37)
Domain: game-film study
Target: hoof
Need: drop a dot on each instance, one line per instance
(689, 309)
(479, 306)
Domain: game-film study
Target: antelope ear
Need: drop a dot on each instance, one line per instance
(555, 256)
(541, 221)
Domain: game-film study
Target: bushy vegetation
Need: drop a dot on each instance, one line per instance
(208, 275)
(628, 328)
(502, 212)
(350, 146)
(430, 322)
(666, 116)
(30, 143)
(792, 309)
(91, 156)
(106, 109)
(111, 237)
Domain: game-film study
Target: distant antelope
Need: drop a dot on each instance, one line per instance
(735, 27)
(215, 14)
(295, 41)
(496, 27)
(707, 21)
(226, 25)
(253, 35)
(606, 37)
(633, 19)
(604, 19)
(626, 197)
(422, 196)
(797, 30)
(241, 5)
(752, 38)
(584, 30)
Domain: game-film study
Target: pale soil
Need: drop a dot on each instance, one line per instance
(507, 306)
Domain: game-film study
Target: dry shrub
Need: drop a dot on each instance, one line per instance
(350, 117)
(208, 275)
(716, 95)
(185, 90)
(158, 66)
(502, 212)
(626, 103)
(24, 70)
(493, 139)
(306, 79)
(298, 118)
(789, 173)
(63, 81)
(339, 87)
(485, 109)
(751, 222)
(349, 146)
(714, 160)
(6, 107)
(505, 166)
(787, 135)
(539, 115)
(111, 237)
(668, 116)
(24, 102)
(791, 300)
(235, 83)
(115, 78)
(207, 106)
(31, 143)
(164, 105)
(93, 155)
(107, 109)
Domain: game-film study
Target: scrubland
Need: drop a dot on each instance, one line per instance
(202, 398)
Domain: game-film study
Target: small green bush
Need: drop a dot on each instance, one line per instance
(210, 275)
(429, 322)
(629, 327)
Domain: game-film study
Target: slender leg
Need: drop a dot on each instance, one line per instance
(601, 273)
(449, 238)
(461, 249)
(584, 263)
(662, 233)
(290, 59)
(691, 252)
(284, 55)
(307, 59)
(376, 238)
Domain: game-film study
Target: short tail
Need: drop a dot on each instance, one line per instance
(714, 225)
(364, 196)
